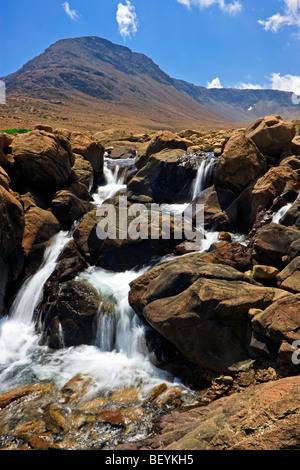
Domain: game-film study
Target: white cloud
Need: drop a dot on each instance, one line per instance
(127, 19)
(289, 17)
(232, 7)
(215, 83)
(285, 83)
(248, 86)
(71, 13)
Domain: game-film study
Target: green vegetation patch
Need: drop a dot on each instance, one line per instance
(15, 131)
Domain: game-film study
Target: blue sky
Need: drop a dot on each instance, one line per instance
(228, 43)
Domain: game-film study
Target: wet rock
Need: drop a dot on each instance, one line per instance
(68, 208)
(165, 178)
(40, 226)
(206, 301)
(119, 251)
(68, 315)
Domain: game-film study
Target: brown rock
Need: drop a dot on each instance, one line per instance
(90, 148)
(42, 160)
(68, 208)
(163, 179)
(160, 141)
(206, 301)
(240, 164)
(279, 322)
(274, 242)
(272, 135)
(262, 417)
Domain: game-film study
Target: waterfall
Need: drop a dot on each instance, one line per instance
(113, 181)
(31, 292)
(204, 174)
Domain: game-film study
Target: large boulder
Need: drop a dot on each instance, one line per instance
(11, 223)
(123, 247)
(289, 277)
(202, 309)
(40, 226)
(160, 141)
(11, 255)
(82, 172)
(167, 177)
(87, 146)
(272, 135)
(262, 196)
(292, 217)
(6, 159)
(276, 245)
(68, 208)
(68, 315)
(240, 164)
(42, 160)
(277, 327)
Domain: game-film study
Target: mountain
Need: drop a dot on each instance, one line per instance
(242, 105)
(91, 83)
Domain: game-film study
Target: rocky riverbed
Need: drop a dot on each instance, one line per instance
(131, 342)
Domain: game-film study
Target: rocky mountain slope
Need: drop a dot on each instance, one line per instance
(94, 84)
(91, 82)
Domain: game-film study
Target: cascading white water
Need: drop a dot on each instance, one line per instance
(31, 292)
(204, 172)
(113, 181)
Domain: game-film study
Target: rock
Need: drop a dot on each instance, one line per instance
(240, 164)
(264, 273)
(69, 264)
(82, 172)
(279, 323)
(4, 179)
(6, 160)
(42, 160)
(293, 162)
(68, 208)
(121, 251)
(11, 223)
(40, 226)
(43, 127)
(289, 277)
(292, 217)
(160, 141)
(263, 417)
(233, 254)
(205, 301)
(166, 178)
(68, 315)
(90, 148)
(11, 255)
(272, 135)
(273, 243)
